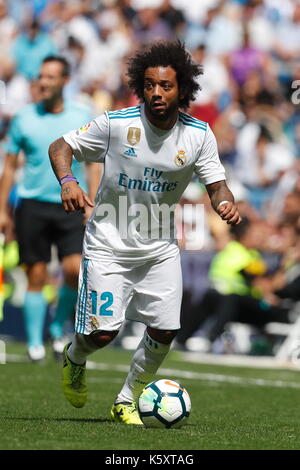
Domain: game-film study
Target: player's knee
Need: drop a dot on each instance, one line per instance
(102, 338)
(71, 265)
(162, 336)
(37, 275)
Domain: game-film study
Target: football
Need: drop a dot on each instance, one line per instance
(164, 404)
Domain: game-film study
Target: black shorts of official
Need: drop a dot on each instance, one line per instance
(39, 225)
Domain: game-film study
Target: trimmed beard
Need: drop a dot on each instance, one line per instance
(159, 116)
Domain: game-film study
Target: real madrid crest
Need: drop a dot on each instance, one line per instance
(134, 135)
(94, 323)
(180, 158)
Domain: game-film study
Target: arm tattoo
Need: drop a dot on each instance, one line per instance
(65, 189)
(218, 192)
(60, 154)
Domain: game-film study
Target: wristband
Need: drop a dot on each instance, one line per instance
(221, 203)
(67, 179)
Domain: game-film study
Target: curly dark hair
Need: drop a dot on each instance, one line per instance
(166, 54)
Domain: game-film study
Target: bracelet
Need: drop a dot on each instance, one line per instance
(67, 179)
(221, 203)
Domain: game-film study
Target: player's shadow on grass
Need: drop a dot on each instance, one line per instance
(84, 420)
(79, 420)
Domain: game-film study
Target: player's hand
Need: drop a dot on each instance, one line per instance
(74, 198)
(229, 212)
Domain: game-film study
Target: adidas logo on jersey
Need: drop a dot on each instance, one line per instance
(130, 152)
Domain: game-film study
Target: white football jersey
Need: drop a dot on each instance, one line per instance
(146, 170)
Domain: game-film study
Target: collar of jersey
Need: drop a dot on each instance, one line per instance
(155, 130)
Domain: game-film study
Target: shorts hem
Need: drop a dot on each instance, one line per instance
(171, 328)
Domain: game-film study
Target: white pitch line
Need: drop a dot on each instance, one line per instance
(237, 360)
(183, 374)
(15, 358)
(201, 376)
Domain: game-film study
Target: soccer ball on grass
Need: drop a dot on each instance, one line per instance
(164, 404)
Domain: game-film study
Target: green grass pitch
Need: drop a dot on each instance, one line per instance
(232, 407)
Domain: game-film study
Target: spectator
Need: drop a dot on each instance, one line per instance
(148, 26)
(17, 88)
(244, 60)
(17, 92)
(8, 28)
(173, 16)
(30, 48)
(260, 164)
(287, 40)
(214, 82)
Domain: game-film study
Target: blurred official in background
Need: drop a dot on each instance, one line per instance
(40, 219)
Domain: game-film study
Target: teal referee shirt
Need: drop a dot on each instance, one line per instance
(32, 130)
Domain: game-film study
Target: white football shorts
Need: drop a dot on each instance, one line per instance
(110, 291)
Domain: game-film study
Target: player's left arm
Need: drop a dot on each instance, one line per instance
(222, 201)
(88, 144)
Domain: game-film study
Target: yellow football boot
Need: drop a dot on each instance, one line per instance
(74, 381)
(126, 413)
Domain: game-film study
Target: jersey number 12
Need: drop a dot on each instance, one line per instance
(107, 299)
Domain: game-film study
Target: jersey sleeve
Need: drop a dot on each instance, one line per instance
(208, 166)
(14, 137)
(90, 142)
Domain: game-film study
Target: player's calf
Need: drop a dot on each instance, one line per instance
(74, 364)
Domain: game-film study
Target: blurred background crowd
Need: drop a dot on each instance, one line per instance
(250, 52)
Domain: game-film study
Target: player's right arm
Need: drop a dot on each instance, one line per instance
(87, 144)
(72, 196)
(6, 182)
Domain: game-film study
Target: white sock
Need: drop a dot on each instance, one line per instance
(80, 348)
(144, 365)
